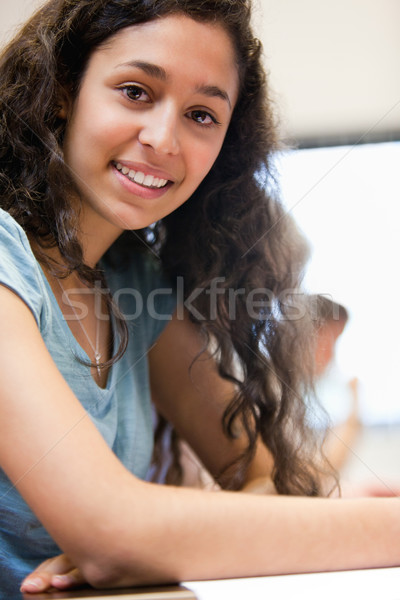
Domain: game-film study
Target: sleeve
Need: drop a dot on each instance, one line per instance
(18, 266)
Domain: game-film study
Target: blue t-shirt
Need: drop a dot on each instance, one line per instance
(121, 411)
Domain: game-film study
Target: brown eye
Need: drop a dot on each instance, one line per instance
(202, 117)
(135, 93)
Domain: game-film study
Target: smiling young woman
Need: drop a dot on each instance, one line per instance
(144, 116)
(135, 172)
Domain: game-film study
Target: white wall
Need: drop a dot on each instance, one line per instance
(13, 13)
(334, 65)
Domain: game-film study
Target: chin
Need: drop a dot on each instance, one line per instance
(126, 221)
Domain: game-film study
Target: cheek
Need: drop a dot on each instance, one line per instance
(203, 158)
(97, 124)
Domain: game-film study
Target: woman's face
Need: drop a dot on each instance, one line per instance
(149, 121)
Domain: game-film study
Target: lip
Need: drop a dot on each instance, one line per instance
(135, 188)
(146, 169)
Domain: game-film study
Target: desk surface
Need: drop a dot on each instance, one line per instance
(170, 592)
(370, 584)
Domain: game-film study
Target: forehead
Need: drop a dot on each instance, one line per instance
(180, 45)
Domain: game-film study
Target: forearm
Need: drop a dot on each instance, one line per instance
(180, 534)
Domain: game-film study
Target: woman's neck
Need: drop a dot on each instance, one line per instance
(96, 235)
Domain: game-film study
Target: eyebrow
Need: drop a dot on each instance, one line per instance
(212, 91)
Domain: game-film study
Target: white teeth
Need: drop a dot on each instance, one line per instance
(148, 180)
(140, 178)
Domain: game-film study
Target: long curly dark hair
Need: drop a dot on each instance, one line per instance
(233, 228)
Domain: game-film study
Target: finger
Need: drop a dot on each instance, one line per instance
(40, 579)
(69, 580)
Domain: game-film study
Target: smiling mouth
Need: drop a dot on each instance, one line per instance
(147, 181)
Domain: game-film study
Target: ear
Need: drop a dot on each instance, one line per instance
(62, 112)
(63, 105)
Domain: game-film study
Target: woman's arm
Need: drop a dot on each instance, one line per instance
(121, 531)
(190, 394)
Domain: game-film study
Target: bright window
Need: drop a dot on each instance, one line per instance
(347, 202)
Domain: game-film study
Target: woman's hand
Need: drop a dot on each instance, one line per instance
(57, 572)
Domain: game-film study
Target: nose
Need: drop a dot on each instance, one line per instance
(159, 130)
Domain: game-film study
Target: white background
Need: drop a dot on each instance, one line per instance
(347, 202)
